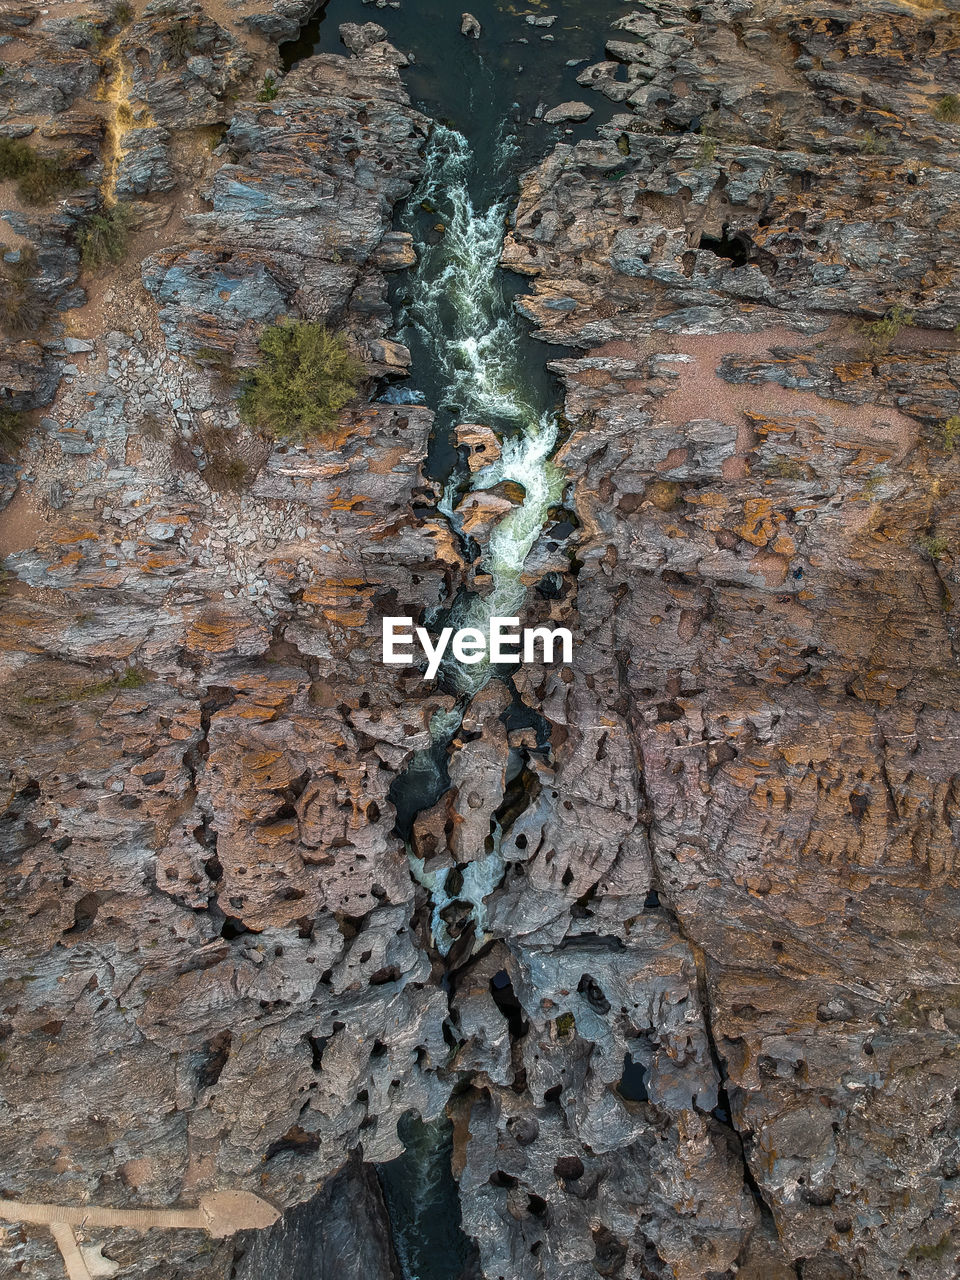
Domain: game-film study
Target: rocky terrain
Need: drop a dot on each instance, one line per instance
(765, 576)
(190, 683)
(710, 1027)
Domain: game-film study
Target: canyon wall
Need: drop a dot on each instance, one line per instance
(711, 1029)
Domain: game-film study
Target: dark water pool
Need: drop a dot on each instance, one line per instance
(473, 85)
(424, 1206)
(486, 89)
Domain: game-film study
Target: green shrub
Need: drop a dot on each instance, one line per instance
(39, 178)
(269, 90)
(880, 333)
(14, 429)
(934, 546)
(306, 376)
(219, 365)
(872, 144)
(183, 39)
(123, 13)
(785, 468)
(951, 432)
(16, 158)
(565, 1023)
(24, 306)
(131, 679)
(707, 152)
(227, 469)
(104, 237)
(99, 37)
(932, 1251)
(215, 357)
(71, 691)
(948, 108)
(228, 475)
(41, 184)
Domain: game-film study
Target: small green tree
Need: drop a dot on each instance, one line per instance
(306, 376)
(880, 333)
(934, 546)
(104, 237)
(948, 108)
(951, 432)
(873, 144)
(39, 178)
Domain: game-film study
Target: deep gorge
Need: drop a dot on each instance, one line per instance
(640, 966)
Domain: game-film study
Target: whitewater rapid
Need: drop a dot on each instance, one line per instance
(470, 332)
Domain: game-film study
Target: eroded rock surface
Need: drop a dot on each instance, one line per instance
(705, 1022)
(199, 733)
(767, 590)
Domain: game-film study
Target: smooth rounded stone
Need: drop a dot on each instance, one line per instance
(602, 76)
(394, 356)
(395, 251)
(481, 511)
(278, 20)
(470, 26)
(568, 111)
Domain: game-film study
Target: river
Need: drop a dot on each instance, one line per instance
(473, 360)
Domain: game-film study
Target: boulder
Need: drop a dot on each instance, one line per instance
(576, 111)
(482, 444)
(359, 38)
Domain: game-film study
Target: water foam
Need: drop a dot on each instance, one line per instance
(470, 331)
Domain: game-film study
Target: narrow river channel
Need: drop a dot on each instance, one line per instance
(473, 361)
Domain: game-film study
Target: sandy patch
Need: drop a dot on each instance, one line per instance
(9, 238)
(699, 392)
(21, 524)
